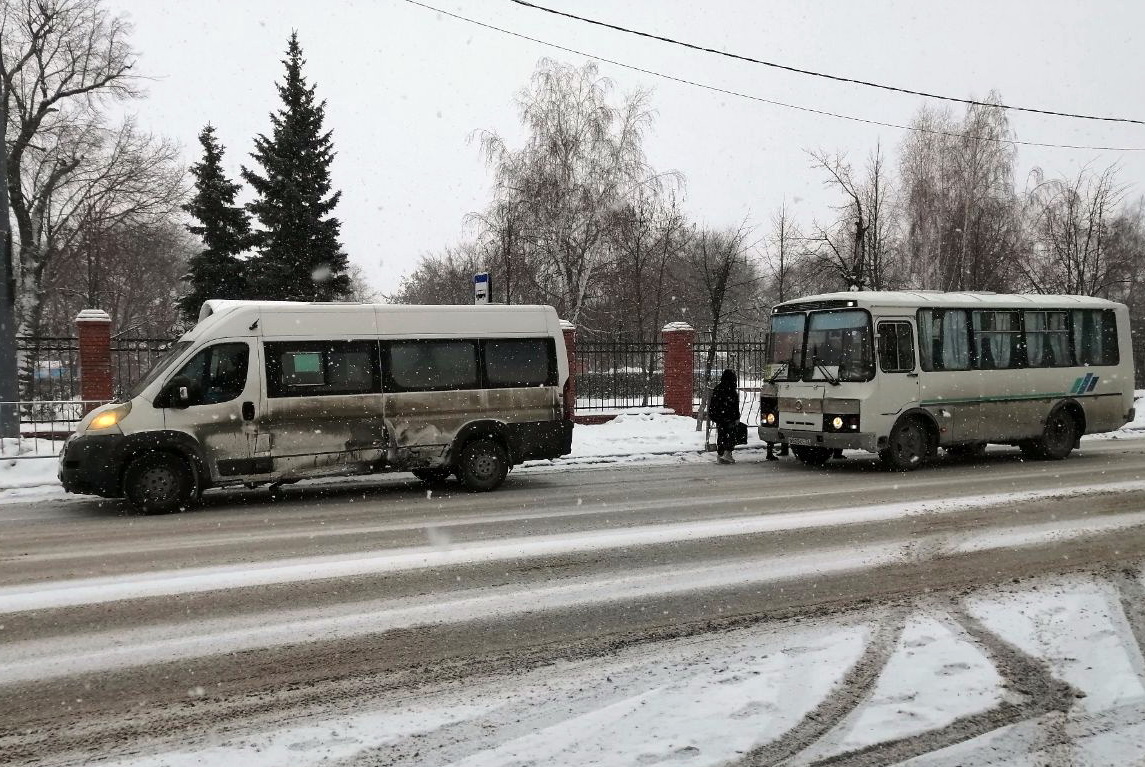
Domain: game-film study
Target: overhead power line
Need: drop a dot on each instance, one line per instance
(772, 102)
(824, 75)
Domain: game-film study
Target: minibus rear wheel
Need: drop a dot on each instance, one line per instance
(482, 465)
(159, 483)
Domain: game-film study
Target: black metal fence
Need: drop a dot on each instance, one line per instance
(131, 358)
(615, 375)
(50, 367)
(745, 352)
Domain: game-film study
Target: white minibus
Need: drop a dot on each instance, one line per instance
(273, 392)
(902, 374)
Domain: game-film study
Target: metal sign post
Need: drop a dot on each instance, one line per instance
(482, 288)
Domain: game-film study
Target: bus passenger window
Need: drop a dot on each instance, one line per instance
(1047, 340)
(997, 339)
(944, 342)
(1095, 337)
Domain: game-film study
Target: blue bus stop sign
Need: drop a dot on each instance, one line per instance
(482, 288)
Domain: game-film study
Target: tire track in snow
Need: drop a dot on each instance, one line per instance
(851, 691)
(1039, 694)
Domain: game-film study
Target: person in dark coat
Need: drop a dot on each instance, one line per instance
(723, 411)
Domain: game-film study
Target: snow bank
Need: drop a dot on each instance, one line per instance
(25, 476)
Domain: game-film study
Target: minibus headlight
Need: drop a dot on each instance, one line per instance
(109, 418)
(769, 419)
(837, 422)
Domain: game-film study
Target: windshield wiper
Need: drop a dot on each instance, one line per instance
(819, 366)
(790, 365)
(827, 376)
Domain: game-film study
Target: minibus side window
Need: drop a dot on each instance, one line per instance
(321, 368)
(431, 365)
(520, 362)
(216, 374)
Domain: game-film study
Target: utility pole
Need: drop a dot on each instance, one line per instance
(9, 385)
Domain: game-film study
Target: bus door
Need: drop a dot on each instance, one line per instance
(898, 387)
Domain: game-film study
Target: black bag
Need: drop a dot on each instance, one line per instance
(741, 433)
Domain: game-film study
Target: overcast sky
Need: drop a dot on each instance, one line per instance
(405, 88)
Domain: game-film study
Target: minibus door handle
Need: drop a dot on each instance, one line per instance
(248, 411)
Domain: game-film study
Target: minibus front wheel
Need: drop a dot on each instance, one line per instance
(159, 483)
(435, 476)
(482, 465)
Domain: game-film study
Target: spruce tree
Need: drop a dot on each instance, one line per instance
(223, 227)
(299, 255)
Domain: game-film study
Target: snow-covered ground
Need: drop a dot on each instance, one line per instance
(938, 681)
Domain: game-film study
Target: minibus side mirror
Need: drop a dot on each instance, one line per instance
(180, 392)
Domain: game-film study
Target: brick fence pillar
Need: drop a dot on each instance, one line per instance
(569, 331)
(679, 381)
(93, 326)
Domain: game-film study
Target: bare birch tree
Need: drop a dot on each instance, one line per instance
(60, 62)
(961, 207)
(582, 158)
(1070, 228)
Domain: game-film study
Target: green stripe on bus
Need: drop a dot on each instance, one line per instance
(965, 400)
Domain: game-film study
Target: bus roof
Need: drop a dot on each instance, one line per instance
(922, 299)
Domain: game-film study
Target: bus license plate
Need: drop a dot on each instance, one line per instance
(801, 440)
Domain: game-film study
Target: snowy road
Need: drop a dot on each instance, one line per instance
(520, 626)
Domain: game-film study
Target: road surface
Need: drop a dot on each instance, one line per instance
(123, 634)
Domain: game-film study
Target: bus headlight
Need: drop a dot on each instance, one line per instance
(847, 422)
(769, 419)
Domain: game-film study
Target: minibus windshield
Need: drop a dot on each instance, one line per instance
(838, 347)
(158, 369)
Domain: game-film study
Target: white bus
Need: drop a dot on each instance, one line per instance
(902, 374)
(272, 392)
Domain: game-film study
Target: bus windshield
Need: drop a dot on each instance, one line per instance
(785, 347)
(839, 347)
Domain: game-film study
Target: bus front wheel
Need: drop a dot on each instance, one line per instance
(907, 446)
(811, 455)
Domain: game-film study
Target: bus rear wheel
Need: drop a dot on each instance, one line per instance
(811, 455)
(1057, 440)
(907, 446)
